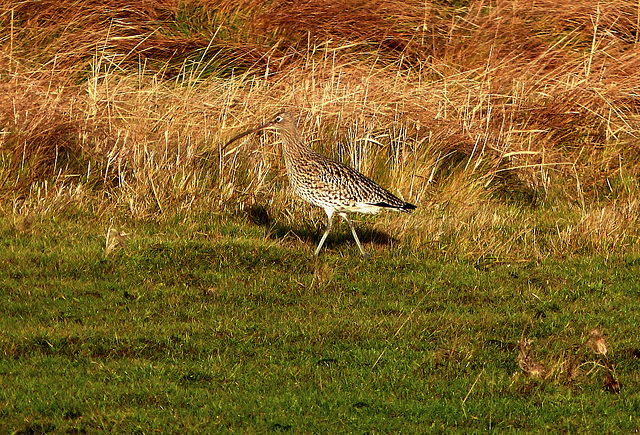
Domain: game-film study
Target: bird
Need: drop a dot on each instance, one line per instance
(325, 182)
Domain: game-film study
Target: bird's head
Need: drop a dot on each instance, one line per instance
(280, 121)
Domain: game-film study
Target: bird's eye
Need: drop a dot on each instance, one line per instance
(278, 118)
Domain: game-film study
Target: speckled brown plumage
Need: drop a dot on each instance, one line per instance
(327, 183)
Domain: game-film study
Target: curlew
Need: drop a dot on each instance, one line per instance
(327, 183)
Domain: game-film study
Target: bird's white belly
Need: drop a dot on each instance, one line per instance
(358, 208)
(340, 206)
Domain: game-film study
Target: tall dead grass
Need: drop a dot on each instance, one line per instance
(471, 112)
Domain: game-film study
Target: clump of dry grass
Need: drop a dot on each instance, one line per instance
(41, 139)
(472, 112)
(572, 366)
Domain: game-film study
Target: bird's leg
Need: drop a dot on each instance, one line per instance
(355, 236)
(326, 231)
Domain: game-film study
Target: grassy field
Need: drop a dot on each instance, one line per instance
(205, 324)
(150, 283)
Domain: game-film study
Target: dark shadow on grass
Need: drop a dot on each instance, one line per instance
(340, 233)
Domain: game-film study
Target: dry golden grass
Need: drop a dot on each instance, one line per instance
(513, 126)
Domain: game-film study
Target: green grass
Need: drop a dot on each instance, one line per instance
(200, 323)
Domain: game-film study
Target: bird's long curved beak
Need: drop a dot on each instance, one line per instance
(246, 133)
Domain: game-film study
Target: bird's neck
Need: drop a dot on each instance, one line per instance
(293, 148)
(296, 155)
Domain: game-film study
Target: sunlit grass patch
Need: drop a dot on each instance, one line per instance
(193, 310)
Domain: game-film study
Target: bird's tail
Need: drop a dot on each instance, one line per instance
(404, 207)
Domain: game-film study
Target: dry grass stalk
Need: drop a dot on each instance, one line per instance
(114, 239)
(527, 361)
(598, 343)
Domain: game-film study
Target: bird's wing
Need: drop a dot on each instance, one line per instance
(338, 176)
